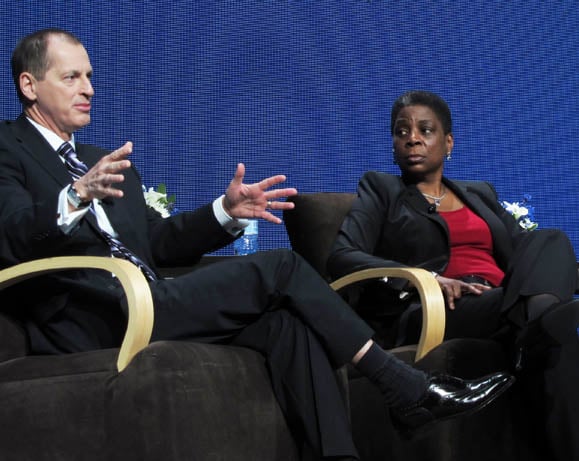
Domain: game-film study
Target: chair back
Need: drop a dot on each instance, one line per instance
(313, 224)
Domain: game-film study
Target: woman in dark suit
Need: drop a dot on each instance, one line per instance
(498, 279)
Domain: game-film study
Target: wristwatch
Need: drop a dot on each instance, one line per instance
(74, 199)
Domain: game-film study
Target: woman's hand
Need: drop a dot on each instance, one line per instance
(454, 289)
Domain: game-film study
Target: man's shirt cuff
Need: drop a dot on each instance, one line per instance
(232, 225)
(66, 220)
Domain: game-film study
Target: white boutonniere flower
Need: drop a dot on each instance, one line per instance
(522, 212)
(159, 201)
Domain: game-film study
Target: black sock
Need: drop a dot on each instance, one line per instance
(400, 384)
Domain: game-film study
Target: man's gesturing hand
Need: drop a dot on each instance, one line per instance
(254, 200)
(99, 181)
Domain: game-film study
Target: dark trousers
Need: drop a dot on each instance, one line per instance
(277, 304)
(549, 382)
(544, 262)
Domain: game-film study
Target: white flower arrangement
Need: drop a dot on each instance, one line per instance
(159, 201)
(522, 212)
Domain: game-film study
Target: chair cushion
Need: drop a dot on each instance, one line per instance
(206, 401)
(13, 340)
(176, 400)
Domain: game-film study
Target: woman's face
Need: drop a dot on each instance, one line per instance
(420, 144)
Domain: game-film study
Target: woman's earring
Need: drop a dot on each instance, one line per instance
(448, 156)
(394, 161)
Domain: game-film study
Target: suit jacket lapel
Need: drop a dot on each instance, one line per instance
(471, 197)
(412, 196)
(34, 144)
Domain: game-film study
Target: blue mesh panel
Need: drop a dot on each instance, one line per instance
(304, 88)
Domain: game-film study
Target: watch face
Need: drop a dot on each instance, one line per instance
(75, 199)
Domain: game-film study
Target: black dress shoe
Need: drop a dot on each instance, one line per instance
(447, 397)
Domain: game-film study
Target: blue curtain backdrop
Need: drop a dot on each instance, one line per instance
(305, 88)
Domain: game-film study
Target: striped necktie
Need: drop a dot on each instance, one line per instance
(78, 168)
(75, 167)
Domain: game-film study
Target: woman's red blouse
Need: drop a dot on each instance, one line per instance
(471, 247)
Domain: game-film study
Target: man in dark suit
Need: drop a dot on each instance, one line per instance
(54, 203)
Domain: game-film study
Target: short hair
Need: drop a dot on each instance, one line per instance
(423, 98)
(30, 55)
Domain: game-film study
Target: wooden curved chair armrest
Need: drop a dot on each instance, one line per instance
(140, 301)
(433, 313)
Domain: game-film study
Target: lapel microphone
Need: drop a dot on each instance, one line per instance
(431, 209)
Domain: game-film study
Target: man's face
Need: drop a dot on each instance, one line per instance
(61, 101)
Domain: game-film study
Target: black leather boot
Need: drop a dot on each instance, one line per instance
(447, 397)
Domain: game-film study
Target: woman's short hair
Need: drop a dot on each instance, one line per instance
(423, 98)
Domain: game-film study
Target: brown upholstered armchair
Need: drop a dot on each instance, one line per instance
(498, 432)
(166, 400)
(312, 227)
